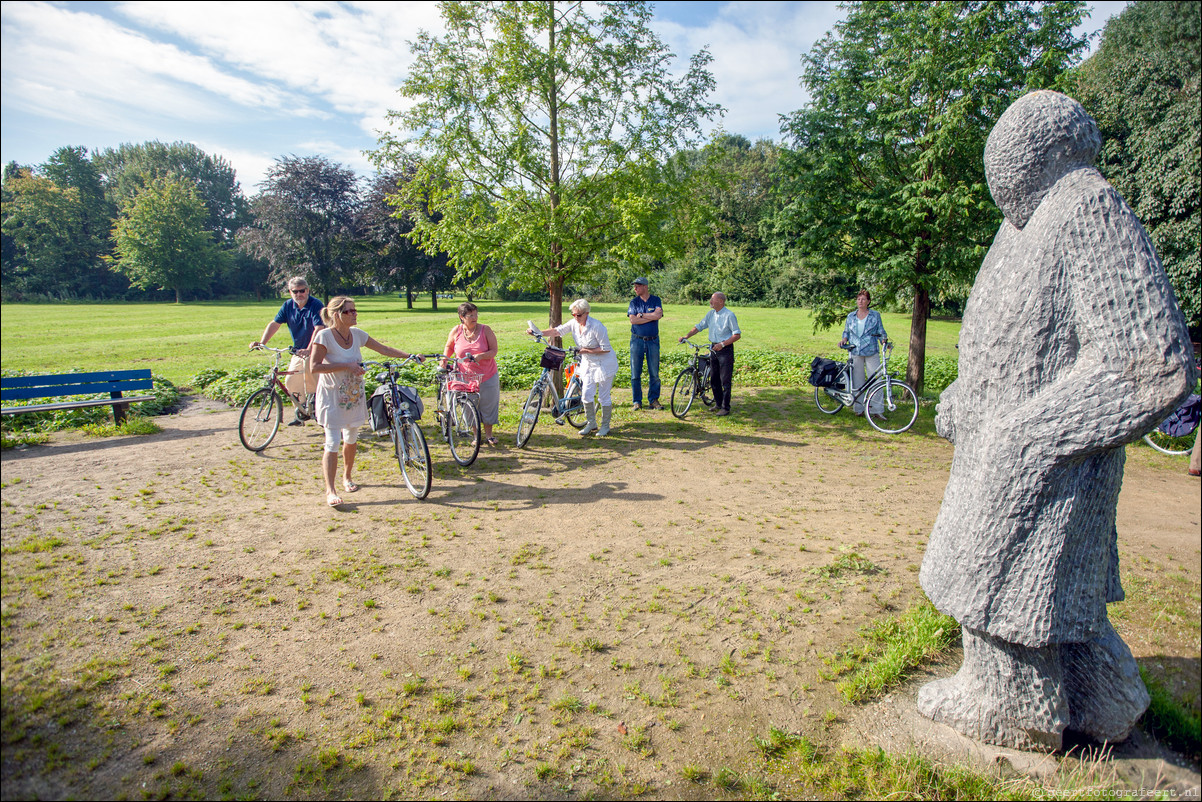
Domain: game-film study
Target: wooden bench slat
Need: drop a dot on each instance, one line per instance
(98, 402)
(16, 393)
(47, 380)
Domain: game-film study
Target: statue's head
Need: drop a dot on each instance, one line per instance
(1043, 136)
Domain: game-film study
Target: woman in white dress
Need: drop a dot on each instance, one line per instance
(598, 364)
(341, 405)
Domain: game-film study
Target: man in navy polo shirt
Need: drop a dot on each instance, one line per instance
(644, 312)
(303, 315)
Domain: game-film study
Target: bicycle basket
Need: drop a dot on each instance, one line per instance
(825, 372)
(462, 382)
(552, 359)
(1185, 419)
(413, 401)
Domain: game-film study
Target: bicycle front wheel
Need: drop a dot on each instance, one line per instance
(891, 407)
(413, 455)
(1167, 444)
(534, 405)
(261, 417)
(573, 404)
(826, 402)
(464, 431)
(683, 392)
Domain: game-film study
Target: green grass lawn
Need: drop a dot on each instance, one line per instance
(179, 340)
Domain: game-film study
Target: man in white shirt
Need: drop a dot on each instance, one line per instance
(723, 329)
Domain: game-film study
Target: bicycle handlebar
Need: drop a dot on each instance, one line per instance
(261, 347)
(570, 350)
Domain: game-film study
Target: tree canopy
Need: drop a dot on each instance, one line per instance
(161, 239)
(546, 133)
(886, 185)
(1142, 85)
(304, 222)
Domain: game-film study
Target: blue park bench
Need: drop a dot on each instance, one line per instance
(114, 382)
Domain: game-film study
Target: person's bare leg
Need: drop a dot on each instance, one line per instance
(329, 469)
(348, 460)
(1195, 456)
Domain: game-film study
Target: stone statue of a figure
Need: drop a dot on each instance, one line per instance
(1072, 346)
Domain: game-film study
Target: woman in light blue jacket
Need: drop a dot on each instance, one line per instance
(863, 333)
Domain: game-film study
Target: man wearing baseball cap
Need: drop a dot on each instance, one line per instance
(644, 312)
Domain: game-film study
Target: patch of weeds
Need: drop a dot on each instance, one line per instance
(693, 773)
(896, 646)
(849, 562)
(777, 742)
(638, 741)
(1170, 722)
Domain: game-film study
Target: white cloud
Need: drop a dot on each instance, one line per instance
(82, 68)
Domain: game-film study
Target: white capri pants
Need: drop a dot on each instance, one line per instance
(589, 385)
(348, 436)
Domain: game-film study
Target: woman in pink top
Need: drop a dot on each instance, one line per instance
(471, 338)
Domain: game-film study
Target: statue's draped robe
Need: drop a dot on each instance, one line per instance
(1071, 347)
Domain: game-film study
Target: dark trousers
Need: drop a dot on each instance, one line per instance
(722, 367)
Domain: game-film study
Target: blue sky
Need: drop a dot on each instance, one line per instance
(254, 81)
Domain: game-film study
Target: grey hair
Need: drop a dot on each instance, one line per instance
(296, 282)
(580, 305)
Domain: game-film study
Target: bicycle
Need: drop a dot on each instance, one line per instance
(1175, 434)
(693, 382)
(263, 412)
(569, 408)
(895, 402)
(456, 411)
(404, 409)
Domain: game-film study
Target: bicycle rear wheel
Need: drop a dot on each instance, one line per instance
(826, 402)
(683, 392)
(534, 405)
(464, 431)
(261, 417)
(413, 456)
(1167, 444)
(573, 404)
(896, 406)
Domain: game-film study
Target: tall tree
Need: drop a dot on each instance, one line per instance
(388, 256)
(71, 167)
(45, 236)
(304, 222)
(886, 184)
(546, 132)
(161, 238)
(1143, 87)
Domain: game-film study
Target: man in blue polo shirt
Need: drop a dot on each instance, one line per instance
(724, 332)
(644, 312)
(303, 315)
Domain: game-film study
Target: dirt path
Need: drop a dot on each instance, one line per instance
(572, 617)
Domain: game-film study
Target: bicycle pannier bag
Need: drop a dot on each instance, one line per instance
(824, 372)
(1185, 419)
(409, 396)
(377, 410)
(552, 359)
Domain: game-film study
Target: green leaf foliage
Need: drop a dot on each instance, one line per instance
(1143, 87)
(886, 184)
(544, 141)
(161, 239)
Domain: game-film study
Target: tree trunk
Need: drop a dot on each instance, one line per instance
(555, 318)
(916, 367)
(408, 297)
(177, 296)
(434, 300)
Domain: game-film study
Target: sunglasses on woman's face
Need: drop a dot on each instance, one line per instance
(577, 314)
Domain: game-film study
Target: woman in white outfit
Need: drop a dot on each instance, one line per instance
(598, 364)
(341, 405)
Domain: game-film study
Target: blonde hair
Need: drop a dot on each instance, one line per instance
(333, 308)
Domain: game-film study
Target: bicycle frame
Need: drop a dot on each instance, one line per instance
(273, 380)
(543, 390)
(879, 376)
(457, 411)
(412, 453)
